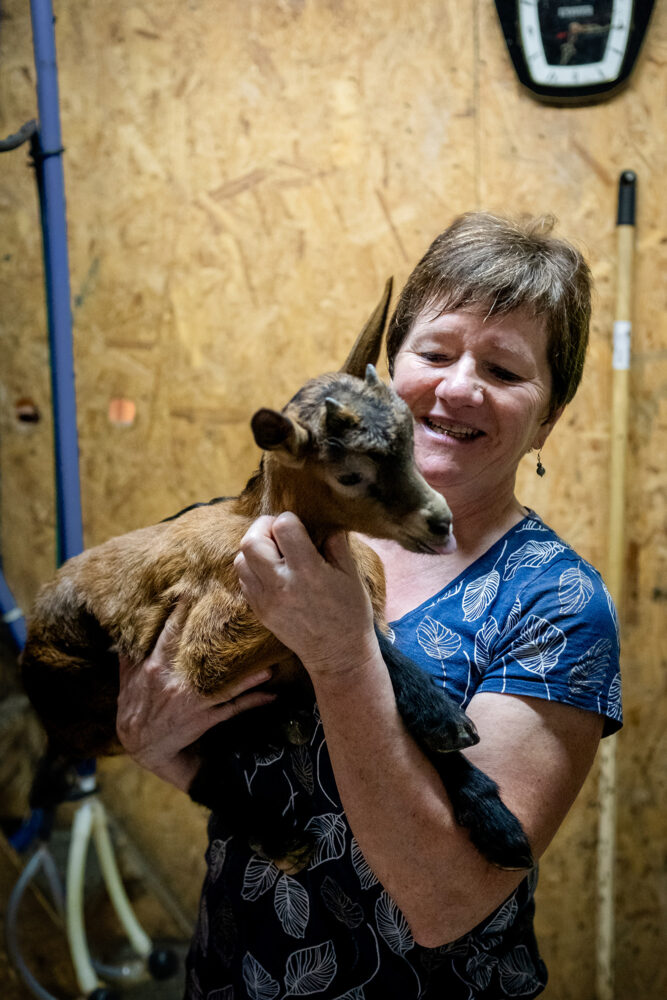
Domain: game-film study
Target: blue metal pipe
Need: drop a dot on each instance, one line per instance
(11, 615)
(47, 153)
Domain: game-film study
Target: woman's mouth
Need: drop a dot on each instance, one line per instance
(461, 432)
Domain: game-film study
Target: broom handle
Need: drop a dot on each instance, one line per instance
(615, 571)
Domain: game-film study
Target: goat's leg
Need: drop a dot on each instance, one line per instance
(494, 829)
(439, 725)
(221, 787)
(70, 675)
(435, 720)
(222, 641)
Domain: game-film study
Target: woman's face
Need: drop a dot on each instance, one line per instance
(479, 391)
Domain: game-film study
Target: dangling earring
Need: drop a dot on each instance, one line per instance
(540, 470)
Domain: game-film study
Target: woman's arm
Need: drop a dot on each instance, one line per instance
(159, 719)
(538, 752)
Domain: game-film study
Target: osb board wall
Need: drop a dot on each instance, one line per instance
(241, 179)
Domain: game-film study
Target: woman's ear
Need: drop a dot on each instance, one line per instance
(546, 428)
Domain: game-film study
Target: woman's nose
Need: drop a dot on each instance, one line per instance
(460, 386)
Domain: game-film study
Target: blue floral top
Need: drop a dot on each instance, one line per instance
(530, 617)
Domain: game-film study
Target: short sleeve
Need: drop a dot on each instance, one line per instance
(559, 642)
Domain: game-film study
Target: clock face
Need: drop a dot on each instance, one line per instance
(572, 51)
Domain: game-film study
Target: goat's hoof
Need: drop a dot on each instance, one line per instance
(299, 729)
(455, 735)
(513, 855)
(295, 861)
(496, 833)
(296, 856)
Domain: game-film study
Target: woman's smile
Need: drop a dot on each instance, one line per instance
(451, 429)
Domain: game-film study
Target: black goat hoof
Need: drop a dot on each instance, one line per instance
(291, 857)
(454, 735)
(299, 729)
(509, 850)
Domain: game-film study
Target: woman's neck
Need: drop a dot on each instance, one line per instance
(414, 577)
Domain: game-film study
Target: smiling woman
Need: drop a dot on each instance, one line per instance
(486, 347)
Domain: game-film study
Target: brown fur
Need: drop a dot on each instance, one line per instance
(117, 596)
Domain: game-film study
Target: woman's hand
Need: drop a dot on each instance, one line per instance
(159, 718)
(315, 604)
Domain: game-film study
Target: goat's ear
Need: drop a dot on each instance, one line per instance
(367, 346)
(274, 431)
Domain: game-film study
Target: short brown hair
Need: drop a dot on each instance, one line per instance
(483, 260)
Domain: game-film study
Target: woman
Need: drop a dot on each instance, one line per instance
(486, 346)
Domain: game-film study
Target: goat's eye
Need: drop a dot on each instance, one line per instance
(349, 479)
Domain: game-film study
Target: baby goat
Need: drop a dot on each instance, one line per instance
(339, 456)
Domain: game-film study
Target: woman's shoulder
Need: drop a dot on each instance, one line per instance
(531, 616)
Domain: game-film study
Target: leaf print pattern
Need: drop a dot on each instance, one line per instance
(612, 611)
(531, 555)
(364, 871)
(194, 990)
(575, 589)
(484, 642)
(614, 708)
(259, 877)
(538, 645)
(590, 670)
(503, 918)
(216, 860)
(302, 766)
(292, 906)
(259, 984)
(329, 831)
(530, 524)
(392, 925)
(479, 594)
(226, 993)
(436, 639)
(514, 617)
(310, 970)
(339, 903)
(517, 973)
(480, 969)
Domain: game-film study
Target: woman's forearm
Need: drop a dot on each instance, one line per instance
(399, 811)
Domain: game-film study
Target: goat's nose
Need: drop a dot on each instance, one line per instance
(439, 525)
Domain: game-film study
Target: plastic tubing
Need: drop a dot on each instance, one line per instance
(47, 151)
(140, 941)
(40, 859)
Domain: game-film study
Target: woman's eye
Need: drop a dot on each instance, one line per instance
(349, 479)
(505, 375)
(435, 359)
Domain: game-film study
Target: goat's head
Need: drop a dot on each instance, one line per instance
(349, 442)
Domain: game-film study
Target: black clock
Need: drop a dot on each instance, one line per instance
(574, 53)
